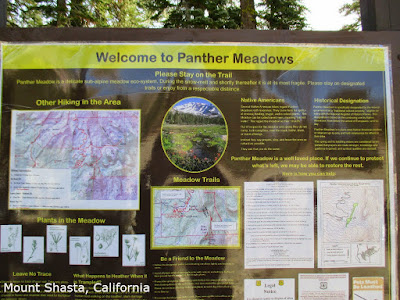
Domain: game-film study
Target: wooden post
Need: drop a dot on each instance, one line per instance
(394, 8)
(380, 15)
(368, 16)
(3, 13)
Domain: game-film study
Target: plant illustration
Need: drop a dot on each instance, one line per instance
(56, 238)
(106, 236)
(34, 248)
(131, 249)
(82, 252)
(12, 236)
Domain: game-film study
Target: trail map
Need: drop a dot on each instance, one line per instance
(352, 218)
(97, 150)
(195, 217)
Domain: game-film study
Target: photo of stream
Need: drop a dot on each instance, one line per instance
(194, 134)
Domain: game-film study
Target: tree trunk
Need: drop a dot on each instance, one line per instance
(248, 14)
(61, 13)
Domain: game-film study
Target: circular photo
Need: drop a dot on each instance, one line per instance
(194, 134)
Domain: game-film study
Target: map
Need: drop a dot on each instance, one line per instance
(351, 215)
(195, 217)
(88, 154)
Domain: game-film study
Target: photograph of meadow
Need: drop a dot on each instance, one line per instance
(194, 134)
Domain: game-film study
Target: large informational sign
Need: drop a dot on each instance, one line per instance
(197, 171)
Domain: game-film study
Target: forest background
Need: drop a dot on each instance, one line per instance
(205, 14)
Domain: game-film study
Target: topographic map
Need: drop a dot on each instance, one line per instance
(99, 150)
(351, 229)
(195, 217)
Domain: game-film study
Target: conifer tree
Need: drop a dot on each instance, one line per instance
(74, 13)
(207, 14)
(282, 14)
(352, 8)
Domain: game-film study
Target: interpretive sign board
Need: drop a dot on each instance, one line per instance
(197, 171)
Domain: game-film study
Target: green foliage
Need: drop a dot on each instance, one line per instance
(282, 14)
(352, 8)
(207, 14)
(20, 13)
(74, 13)
(122, 13)
(194, 148)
